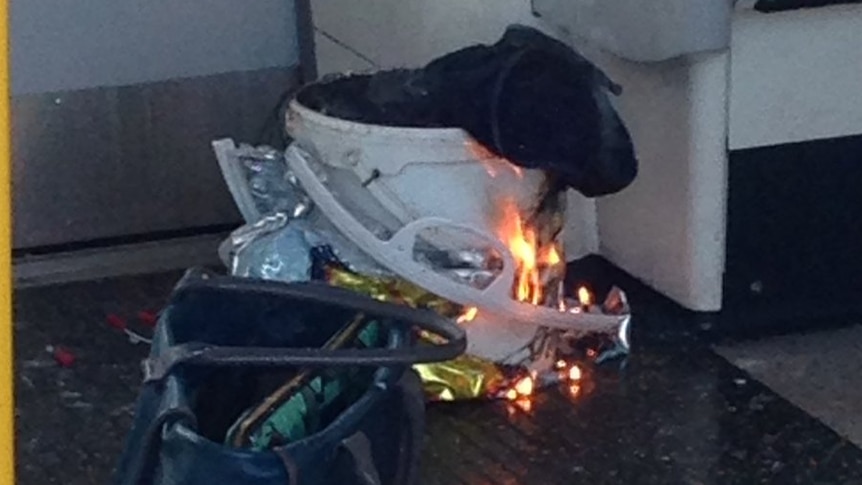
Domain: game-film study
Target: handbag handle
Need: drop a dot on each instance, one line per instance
(157, 367)
(408, 467)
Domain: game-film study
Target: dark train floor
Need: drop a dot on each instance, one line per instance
(676, 413)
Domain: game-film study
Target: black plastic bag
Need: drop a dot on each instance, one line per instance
(529, 98)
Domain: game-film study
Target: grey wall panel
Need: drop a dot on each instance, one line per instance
(115, 161)
(62, 45)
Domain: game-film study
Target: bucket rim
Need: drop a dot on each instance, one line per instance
(298, 113)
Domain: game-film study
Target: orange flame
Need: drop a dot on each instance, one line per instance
(524, 405)
(468, 316)
(530, 258)
(550, 256)
(525, 386)
(584, 296)
(522, 243)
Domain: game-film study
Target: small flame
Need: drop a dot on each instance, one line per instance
(550, 256)
(526, 405)
(531, 258)
(584, 296)
(574, 390)
(525, 386)
(468, 316)
(522, 242)
(561, 364)
(512, 395)
(575, 373)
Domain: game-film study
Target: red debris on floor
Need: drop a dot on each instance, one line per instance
(148, 317)
(116, 321)
(64, 357)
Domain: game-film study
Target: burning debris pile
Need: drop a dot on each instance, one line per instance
(388, 191)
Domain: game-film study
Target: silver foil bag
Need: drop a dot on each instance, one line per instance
(280, 218)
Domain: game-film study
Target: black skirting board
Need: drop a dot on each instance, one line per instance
(794, 232)
(767, 6)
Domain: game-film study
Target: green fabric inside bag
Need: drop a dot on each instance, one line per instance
(317, 402)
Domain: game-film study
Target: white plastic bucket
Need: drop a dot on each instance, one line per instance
(416, 180)
(419, 172)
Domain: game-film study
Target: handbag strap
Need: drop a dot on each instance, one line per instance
(158, 367)
(413, 399)
(140, 462)
(359, 447)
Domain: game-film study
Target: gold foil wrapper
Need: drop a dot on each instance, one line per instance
(393, 290)
(466, 377)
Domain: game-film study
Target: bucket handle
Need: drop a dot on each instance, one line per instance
(397, 252)
(397, 255)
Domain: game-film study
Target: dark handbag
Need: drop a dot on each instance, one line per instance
(220, 339)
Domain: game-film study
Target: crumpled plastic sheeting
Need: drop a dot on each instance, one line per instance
(279, 248)
(274, 248)
(287, 216)
(269, 180)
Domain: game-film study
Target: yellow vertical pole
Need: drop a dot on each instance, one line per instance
(7, 383)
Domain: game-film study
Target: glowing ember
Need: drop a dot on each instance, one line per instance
(469, 315)
(561, 364)
(525, 405)
(525, 386)
(512, 395)
(584, 296)
(575, 373)
(550, 256)
(574, 390)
